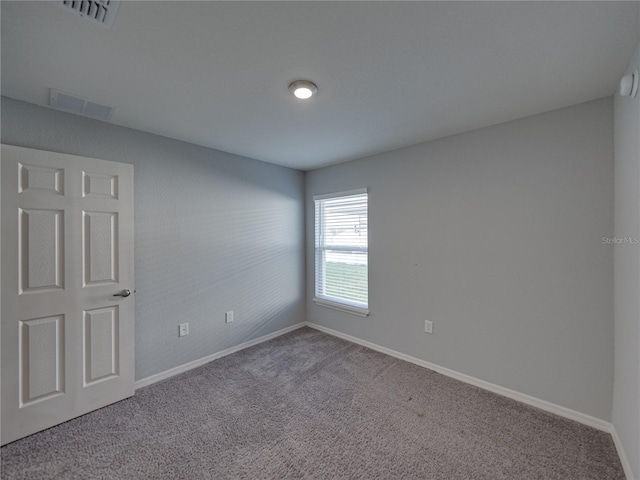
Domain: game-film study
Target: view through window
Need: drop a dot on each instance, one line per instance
(341, 248)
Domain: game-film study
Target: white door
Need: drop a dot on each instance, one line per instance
(67, 249)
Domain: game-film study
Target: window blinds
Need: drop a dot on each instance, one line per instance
(341, 248)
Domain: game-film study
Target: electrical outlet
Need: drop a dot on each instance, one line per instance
(228, 317)
(428, 326)
(183, 329)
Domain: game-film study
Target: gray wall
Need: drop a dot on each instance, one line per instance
(626, 392)
(213, 232)
(496, 236)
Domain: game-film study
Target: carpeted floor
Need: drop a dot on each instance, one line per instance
(307, 405)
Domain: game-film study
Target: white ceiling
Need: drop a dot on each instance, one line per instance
(389, 74)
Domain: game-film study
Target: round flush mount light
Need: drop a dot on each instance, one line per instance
(303, 89)
(629, 85)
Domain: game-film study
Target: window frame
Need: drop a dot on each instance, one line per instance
(337, 303)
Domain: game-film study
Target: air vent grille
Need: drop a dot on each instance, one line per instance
(80, 106)
(98, 11)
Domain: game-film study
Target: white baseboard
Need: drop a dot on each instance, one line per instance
(209, 358)
(521, 397)
(626, 465)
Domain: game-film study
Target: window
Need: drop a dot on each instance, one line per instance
(342, 274)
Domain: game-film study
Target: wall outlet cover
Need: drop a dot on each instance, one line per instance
(428, 326)
(183, 329)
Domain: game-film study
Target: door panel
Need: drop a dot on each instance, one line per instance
(41, 245)
(100, 247)
(100, 186)
(41, 343)
(101, 347)
(67, 248)
(43, 179)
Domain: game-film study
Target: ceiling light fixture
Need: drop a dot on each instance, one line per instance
(303, 89)
(629, 85)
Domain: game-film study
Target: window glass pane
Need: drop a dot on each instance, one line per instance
(341, 249)
(346, 276)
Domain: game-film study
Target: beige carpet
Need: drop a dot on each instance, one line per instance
(310, 406)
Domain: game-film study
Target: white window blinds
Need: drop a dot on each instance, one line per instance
(341, 248)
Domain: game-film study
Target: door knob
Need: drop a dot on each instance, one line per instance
(124, 293)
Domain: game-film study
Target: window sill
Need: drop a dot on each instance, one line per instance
(361, 312)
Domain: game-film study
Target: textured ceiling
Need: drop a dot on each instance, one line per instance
(389, 74)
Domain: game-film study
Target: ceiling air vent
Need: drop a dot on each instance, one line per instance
(80, 106)
(98, 11)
